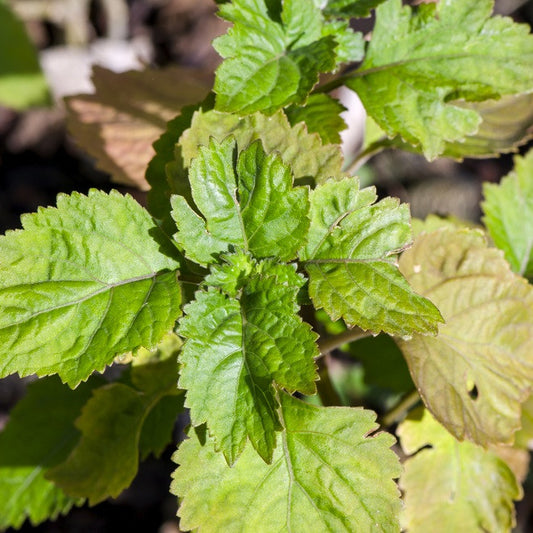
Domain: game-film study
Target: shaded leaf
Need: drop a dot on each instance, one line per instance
(383, 363)
(112, 425)
(350, 8)
(508, 209)
(475, 373)
(129, 110)
(39, 434)
(321, 114)
(453, 486)
(22, 83)
(250, 204)
(236, 349)
(351, 260)
(82, 283)
(327, 474)
(105, 461)
(420, 61)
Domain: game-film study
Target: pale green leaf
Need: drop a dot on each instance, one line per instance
(328, 473)
(39, 434)
(236, 349)
(524, 437)
(271, 59)
(321, 114)
(475, 373)
(112, 425)
(22, 83)
(508, 209)
(250, 205)
(420, 60)
(301, 150)
(82, 283)
(451, 485)
(351, 260)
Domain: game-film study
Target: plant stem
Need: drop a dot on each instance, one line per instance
(324, 386)
(401, 408)
(329, 344)
(370, 151)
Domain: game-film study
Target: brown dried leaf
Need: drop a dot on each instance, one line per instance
(128, 112)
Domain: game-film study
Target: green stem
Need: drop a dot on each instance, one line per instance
(401, 408)
(324, 386)
(329, 344)
(370, 151)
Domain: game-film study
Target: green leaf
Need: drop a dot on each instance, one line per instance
(350, 8)
(453, 486)
(304, 152)
(106, 459)
(251, 205)
(271, 59)
(39, 434)
(474, 375)
(22, 83)
(350, 45)
(235, 349)
(351, 260)
(82, 283)
(508, 209)
(156, 432)
(420, 61)
(321, 114)
(328, 473)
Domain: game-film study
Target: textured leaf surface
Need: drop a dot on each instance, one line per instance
(106, 458)
(273, 56)
(321, 114)
(82, 283)
(453, 486)
(235, 349)
(474, 375)
(304, 152)
(508, 209)
(117, 126)
(22, 83)
(351, 260)
(420, 60)
(39, 434)
(327, 474)
(251, 205)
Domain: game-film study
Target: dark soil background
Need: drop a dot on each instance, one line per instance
(38, 160)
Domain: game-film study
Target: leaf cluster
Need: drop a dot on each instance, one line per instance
(257, 241)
